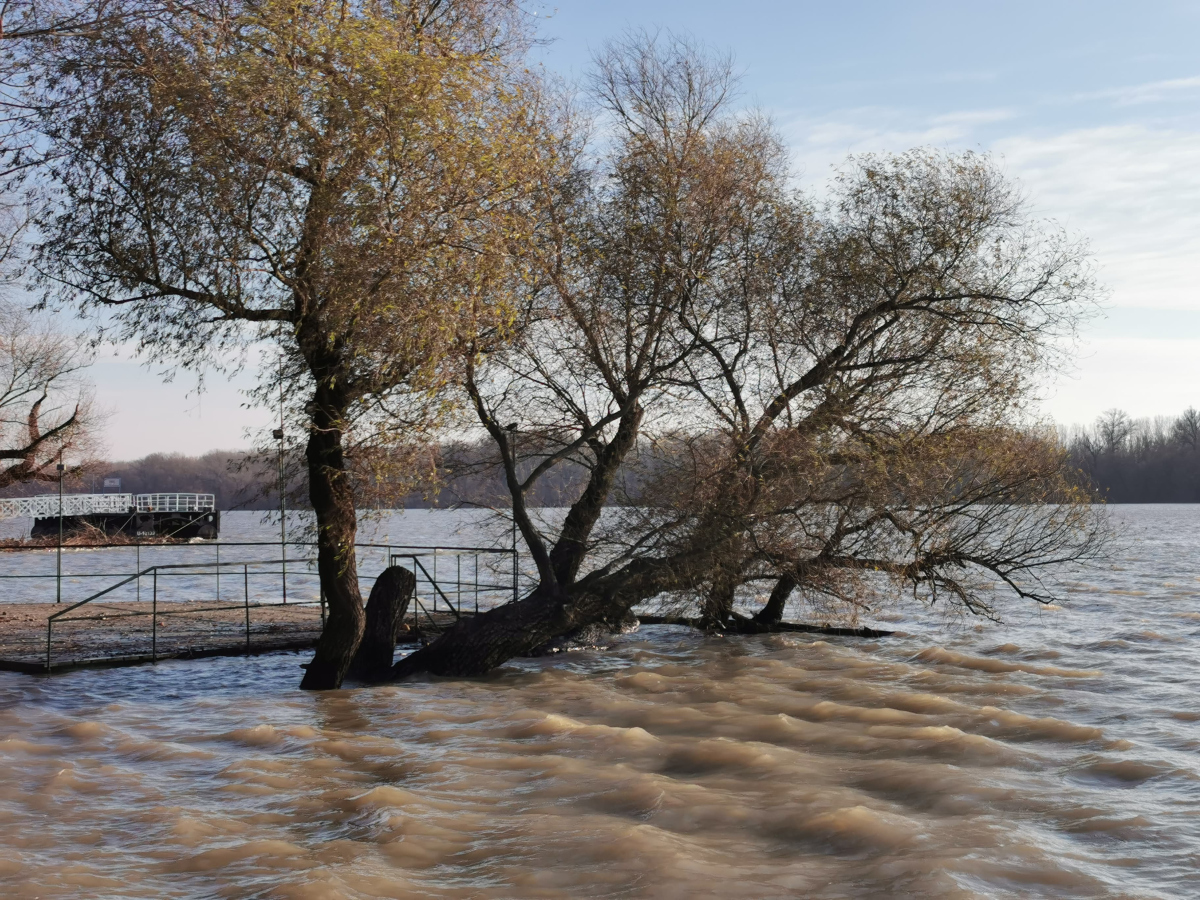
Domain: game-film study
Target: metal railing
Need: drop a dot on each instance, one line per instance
(45, 506)
(153, 572)
(418, 556)
(484, 580)
(147, 503)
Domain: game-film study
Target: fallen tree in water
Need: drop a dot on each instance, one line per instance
(742, 625)
(830, 400)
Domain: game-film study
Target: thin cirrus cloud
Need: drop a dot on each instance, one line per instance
(1131, 189)
(1167, 90)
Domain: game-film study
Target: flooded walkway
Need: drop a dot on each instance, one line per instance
(129, 633)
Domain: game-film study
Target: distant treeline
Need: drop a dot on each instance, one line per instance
(461, 475)
(238, 479)
(466, 475)
(1127, 460)
(1140, 460)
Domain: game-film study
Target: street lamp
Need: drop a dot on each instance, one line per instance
(512, 451)
(58, 575)
(278, 435)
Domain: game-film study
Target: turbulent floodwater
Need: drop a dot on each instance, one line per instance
(1054, 756)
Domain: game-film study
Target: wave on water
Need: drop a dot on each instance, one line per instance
(1052, 757)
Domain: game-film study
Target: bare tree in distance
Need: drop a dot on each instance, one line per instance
(1142, 460)
(821, 396)
(1113, 428)
(1186, 429)
(346, 183)
(47, 409)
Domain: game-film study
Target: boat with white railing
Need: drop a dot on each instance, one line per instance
(176, 515)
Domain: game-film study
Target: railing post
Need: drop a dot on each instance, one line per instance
(58, 579)
(138, 570)
(476, 584)
(49, 628)
(514, 553)
(246, 580)
(458, 581)
(154, 621)
(218, 572)
(434, 582)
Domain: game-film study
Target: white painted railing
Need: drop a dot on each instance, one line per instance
(45, 506)
(175, 502)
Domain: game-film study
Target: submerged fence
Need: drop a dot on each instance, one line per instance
(450, 581)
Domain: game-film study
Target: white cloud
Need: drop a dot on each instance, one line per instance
(1134, 192)
(1140, 94)
(152, 415)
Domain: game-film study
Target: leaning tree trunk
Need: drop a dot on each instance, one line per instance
(476, 644)
(717, 605)
(337, 527)
(772, 613)
(385, 614)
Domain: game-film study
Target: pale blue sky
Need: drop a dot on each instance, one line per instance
(1093, 107)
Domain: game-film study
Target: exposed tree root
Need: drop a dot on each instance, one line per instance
(742, 625)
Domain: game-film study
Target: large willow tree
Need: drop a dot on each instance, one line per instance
(772, 394)
(345, 179)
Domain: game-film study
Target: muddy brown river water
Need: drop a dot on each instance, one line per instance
(1053, 756)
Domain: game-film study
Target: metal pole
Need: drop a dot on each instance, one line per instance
(246, 581)
(278, 433)
(435, 593)
(512, 438)
(58, 575)
(138, 548)
(218, 545)
(154, 621)
(49, 627)
(476, 584)
(458, 582)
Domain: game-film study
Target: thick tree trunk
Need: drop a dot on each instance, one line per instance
(337, 528)
(568, 552)
(718, 603)
(477, 644)
(773, 611)
(385, 614)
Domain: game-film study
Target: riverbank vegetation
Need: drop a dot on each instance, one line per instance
(1127, 460)
(47, 407)
(742, 390)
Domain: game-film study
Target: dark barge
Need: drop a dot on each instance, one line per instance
(181, 516)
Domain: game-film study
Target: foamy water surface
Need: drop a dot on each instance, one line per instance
(1053, 756)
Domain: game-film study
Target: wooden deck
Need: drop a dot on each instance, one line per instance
(125, 633)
